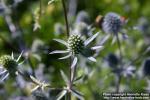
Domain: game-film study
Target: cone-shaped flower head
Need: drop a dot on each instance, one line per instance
(112, 23)
(75, 44)
(8, 66)
(9, 63)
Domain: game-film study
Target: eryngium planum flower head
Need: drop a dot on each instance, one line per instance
(10, 64)
(75, 44)
(112, 23)
(146, 67)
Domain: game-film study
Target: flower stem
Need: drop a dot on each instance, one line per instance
(40, 7)
(119, 46)
(119, 76)
(67, 32)
(118, 83)
(66, 17)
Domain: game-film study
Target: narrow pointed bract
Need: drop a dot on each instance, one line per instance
(104, 39)
(97, 47)
(35, 88)
(59, 51)
(61, 41)
(65, 57)
(114, 40)
(89, 40)
(19, 57)
(64, 76)
(61, 95)
(74, 62)
(77, 94)
(21, 63)
(3, 72)
(12, 55)
(92, 59)
(4, 77)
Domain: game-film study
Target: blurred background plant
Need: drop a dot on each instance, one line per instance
(31, 25)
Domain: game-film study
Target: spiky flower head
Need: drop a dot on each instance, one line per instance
(10, 64)
(75, 44)
(112, 23)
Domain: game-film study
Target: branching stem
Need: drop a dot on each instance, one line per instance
(118, 75)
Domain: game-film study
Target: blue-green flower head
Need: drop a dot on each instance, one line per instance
(112, 23)
(75, 44)
(10, 64)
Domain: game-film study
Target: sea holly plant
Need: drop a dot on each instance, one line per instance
(81, 37)
(10, 67)
(77, 46)
(112, 24)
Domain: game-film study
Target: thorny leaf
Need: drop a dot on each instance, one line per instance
(39, 84)
(51, 1)
(61, 95)
(12, 55)
(36, 56)
(64, 76)
(97, 47)
(77, 94)
(59, 51)
(113, 40)
(19, 57)
(35, 88)
(5, 76)
(35, 80)
(74, 62)
(78, 78)
(92, 59)
(65, 57)
(61, 41)
(36, 26)
(104, 39)
(89, 40)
